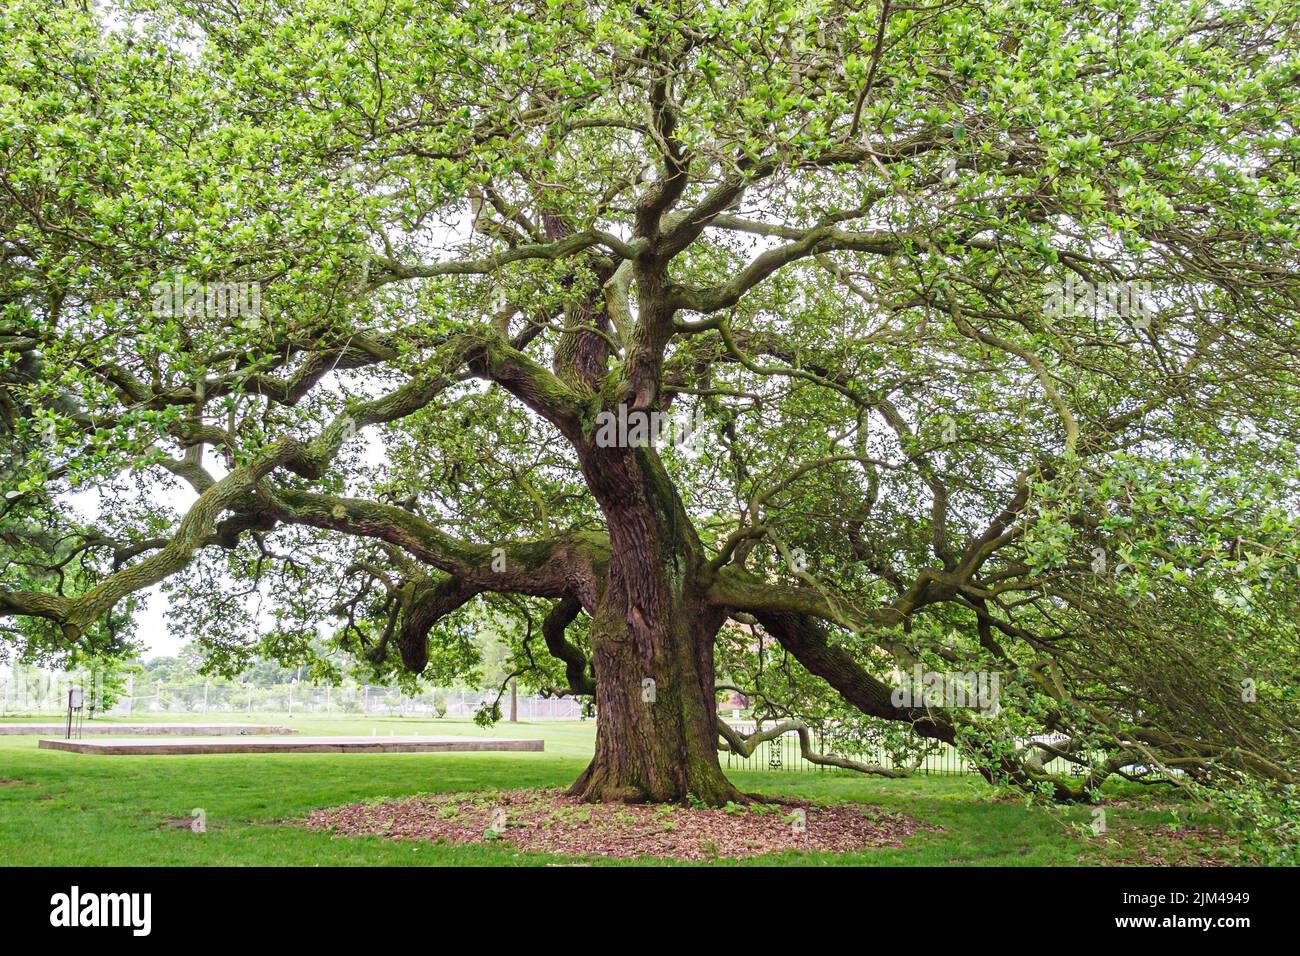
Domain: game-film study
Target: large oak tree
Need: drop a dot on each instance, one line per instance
(982, 314)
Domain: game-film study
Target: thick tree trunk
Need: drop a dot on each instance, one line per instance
(652, 648)
(656, 731)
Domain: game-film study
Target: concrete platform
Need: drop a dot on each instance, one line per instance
(156, 730)
(310, 745)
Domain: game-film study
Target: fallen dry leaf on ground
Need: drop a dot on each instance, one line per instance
(549, 821)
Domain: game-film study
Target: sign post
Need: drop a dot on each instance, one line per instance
(76, 701)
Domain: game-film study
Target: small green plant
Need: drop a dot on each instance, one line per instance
(1264, 818)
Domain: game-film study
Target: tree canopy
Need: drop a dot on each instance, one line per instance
(980, 316)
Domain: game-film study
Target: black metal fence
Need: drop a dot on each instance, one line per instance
(784, 754)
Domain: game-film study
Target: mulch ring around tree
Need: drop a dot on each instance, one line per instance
(549, 821)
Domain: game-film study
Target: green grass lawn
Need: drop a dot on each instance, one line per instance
(81, 809)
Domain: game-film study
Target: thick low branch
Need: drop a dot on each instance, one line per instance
(805, 638)
(566, 565)
(427, 603)
(308, 459)
(576, 667)
(745, 745)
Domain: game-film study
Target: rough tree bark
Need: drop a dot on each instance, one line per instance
(652, 636)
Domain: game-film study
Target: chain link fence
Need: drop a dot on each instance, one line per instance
(32, 692)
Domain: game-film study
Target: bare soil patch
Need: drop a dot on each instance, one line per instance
(177, 823)
(549, 821)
